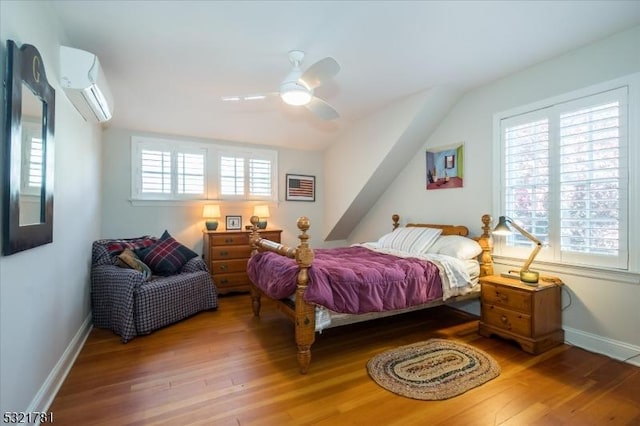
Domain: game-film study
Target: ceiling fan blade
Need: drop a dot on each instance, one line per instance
(322, 109)
(250, 97)
(322, 70)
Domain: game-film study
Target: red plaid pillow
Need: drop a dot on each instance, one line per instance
(118, 246)
(167, 256)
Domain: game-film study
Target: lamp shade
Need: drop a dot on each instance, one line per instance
(261, 211)
(502, 228)
(211, 211)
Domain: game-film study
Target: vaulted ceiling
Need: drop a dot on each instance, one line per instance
(169, 62)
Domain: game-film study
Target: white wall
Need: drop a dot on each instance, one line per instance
(44, 292)
(374, 150)
(122, 219)
(603, 315)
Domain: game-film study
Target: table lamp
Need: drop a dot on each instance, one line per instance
(502, 228)
(262, 212)
(211, 211)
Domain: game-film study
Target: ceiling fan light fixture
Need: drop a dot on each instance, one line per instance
(296, 97)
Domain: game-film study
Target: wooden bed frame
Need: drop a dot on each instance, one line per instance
(303, 314)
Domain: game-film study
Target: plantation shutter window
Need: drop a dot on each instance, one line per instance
(231, 175)
(155, 171)
(173, 170)
(190, 173)
(247, 175)
(260, 177)
(167, 171)
(565, 179)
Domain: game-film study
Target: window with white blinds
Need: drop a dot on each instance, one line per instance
(165, 170)
(232, 176)
(32, 158)
(565, 177)
(178, 170)
(247, 175)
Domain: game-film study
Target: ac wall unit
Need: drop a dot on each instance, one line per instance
(85, 85)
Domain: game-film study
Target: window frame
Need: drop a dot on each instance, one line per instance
(547, 256)
(213, 153)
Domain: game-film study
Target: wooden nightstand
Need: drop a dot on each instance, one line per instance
(530, 315)
(227, 253)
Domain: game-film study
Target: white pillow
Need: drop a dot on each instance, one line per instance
(410, 240)
(456, 246)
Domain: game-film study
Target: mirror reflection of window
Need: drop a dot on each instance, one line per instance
(32, 154)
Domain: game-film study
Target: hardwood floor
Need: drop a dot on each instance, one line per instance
(227, 367)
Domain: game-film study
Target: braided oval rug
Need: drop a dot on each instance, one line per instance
(432, 370)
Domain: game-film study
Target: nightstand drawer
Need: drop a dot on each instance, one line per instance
(229, 239)
(506, 297)
(226, 266)
(507, 320)
(230, 252)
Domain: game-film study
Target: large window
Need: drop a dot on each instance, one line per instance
(178, 170)
(564, 177)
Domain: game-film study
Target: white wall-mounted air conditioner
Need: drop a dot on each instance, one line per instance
(85, 85)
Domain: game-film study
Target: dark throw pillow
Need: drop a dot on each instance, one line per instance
(167, 256)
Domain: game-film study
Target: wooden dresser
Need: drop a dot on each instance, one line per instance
(530, 315)
(227, 253)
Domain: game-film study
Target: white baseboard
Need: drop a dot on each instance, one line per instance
(602, 345)
(47, 392)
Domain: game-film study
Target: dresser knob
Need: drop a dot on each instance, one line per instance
(223, 267)
(228, 240)
(224, 253)
(503, 319)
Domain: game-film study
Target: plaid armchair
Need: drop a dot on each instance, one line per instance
(125, 302)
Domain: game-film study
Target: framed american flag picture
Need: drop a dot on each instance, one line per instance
(301, 188)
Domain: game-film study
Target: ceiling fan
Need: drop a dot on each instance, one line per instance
(298, 87)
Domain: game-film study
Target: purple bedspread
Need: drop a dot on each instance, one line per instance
(352, 280)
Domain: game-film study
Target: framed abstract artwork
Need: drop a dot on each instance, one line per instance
(444, 167)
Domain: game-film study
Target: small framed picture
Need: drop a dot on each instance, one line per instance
(234, 222)
(301, 188)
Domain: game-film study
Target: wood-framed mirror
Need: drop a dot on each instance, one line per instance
(27, 203)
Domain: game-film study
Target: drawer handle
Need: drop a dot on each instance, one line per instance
(228, 240)
(502, 297)
(224, 253)
(224, 281)
(224, 267)
(505, 321)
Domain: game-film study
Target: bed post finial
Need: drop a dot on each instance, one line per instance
(255, 235)
(396, 220)
(486, 242)
(486, 225)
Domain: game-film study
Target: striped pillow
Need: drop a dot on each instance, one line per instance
(410, 240)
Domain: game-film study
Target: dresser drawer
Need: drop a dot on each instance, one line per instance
(514, 322)
(506, 297)
(229, 239)
(226, 266)
(230, 252)
(271, 235)
(227, 253)
(231, 280)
